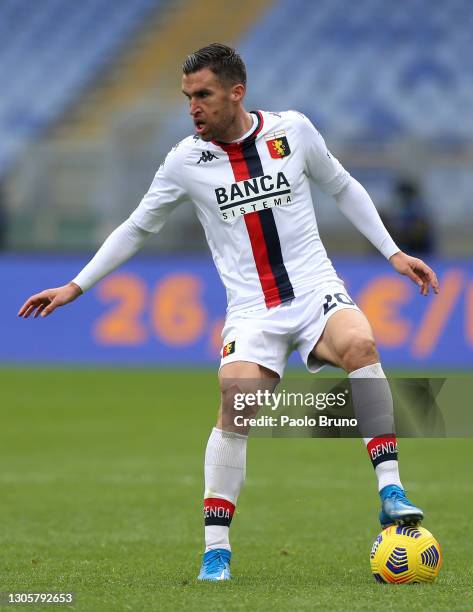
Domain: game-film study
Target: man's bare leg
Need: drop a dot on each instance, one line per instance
(225, 463)
(348, 342)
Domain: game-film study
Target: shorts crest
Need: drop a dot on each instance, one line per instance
(228, 349)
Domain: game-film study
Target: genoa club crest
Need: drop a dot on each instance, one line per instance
(228, 349)
(278, 145)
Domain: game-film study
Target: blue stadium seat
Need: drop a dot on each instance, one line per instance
(366, 70)
(50, 52)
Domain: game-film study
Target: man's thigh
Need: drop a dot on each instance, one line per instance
(347, 331)
(244, 369)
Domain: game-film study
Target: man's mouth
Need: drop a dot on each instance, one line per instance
(199, 126)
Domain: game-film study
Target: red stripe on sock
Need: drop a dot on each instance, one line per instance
(385, 444)
(217, 502)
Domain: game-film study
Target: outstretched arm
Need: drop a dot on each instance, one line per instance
(165, 193)
(356, 204)
(122, 244)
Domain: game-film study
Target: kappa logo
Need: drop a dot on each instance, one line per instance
(207, 156)
(278, 145)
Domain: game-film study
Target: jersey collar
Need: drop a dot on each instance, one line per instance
(252, 136)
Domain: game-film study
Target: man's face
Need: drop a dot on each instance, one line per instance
(213, 103)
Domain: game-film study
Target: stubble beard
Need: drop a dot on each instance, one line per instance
(226, 123)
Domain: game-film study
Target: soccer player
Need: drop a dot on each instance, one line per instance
(247, 173)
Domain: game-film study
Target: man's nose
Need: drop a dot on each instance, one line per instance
(193, 107)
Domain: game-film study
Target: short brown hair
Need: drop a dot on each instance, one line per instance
(220, 59)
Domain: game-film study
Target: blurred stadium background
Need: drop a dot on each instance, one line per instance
(91, 103)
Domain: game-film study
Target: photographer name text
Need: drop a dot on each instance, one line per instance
(284, 420)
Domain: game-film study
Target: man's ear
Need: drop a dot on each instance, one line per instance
(238, 92)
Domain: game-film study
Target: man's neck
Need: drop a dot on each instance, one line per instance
(242, 123)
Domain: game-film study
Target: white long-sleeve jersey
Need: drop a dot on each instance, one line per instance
(254, 201)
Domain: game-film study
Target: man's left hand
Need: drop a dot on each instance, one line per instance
(417, 270)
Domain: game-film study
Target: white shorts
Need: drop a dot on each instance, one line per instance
(268, 336)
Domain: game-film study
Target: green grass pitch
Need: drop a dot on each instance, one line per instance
(101, 494)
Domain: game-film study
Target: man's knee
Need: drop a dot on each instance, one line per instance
(239, 381)
(242, 378)
(232, 392)
(359, 350)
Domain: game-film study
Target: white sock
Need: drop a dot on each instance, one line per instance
(225, 465)
(387, 473)
(373, 406)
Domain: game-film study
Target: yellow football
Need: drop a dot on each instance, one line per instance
(405, 554)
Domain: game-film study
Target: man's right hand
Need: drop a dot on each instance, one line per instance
(47, 301)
